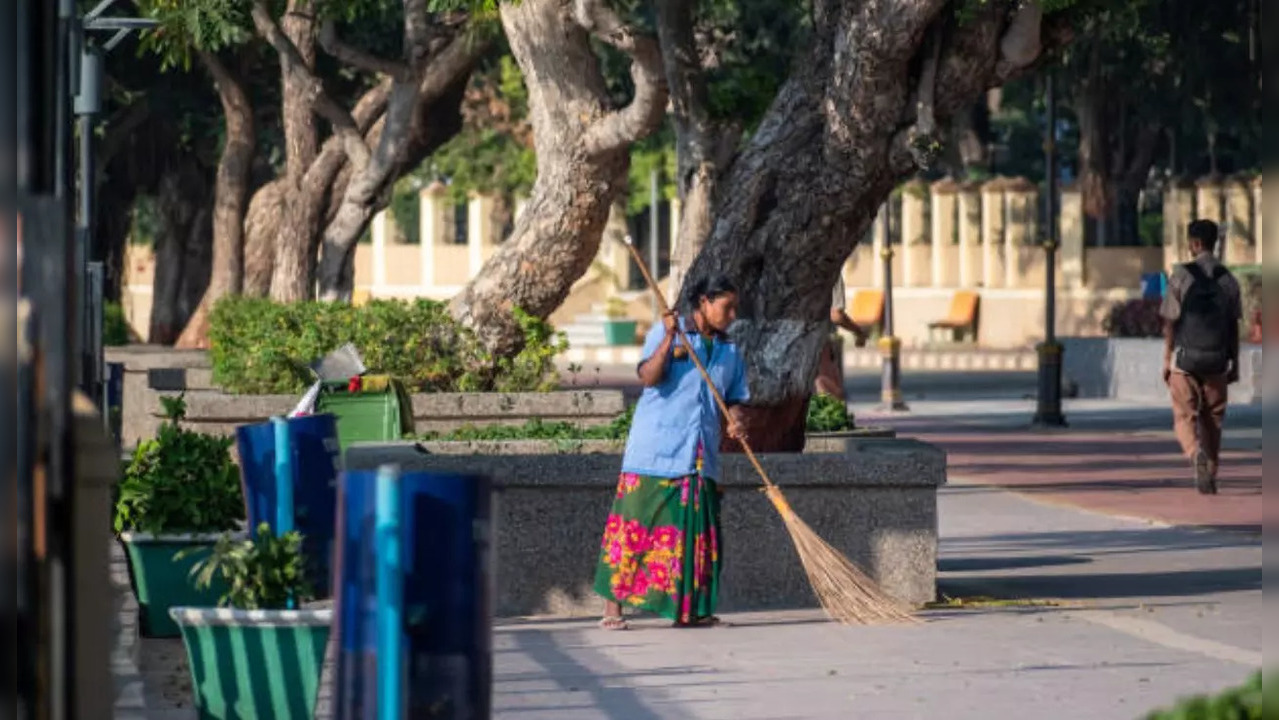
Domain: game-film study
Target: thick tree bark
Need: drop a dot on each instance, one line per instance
(230, 194)
(183, 203)
(293, 269)
(843, 131)
(582, 155)
(261, 227)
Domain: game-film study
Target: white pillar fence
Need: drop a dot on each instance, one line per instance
(951, 235)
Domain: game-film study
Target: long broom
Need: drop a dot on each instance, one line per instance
(848, 594)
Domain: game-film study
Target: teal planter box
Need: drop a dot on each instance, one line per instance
(620, 332)
(253, 664)
(162, 581)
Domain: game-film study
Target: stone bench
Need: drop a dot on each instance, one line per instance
(874, 499)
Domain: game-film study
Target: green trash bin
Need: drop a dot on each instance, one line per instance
(379, 411)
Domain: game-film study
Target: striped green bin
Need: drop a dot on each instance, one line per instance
(253, 664)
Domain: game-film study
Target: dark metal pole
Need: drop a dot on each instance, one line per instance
(1048, 411)
(8, 358)
(88, 104)
(890, 346)
(33, 155)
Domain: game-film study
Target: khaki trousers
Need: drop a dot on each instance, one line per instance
(1198, 410)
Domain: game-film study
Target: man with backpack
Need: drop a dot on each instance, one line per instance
(1201, 312)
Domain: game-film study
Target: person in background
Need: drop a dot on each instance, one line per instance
(662, 546)
(830, 370)
(1201, 312)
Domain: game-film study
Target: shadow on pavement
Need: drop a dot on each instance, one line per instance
(1007, 562)
(1099, 542)
(1175, 583)
(612, 700)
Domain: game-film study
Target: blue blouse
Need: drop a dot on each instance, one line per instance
(673, 416)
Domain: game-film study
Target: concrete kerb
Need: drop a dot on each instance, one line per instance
(874, 499)
(216, 412)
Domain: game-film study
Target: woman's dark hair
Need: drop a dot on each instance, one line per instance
(711, 287)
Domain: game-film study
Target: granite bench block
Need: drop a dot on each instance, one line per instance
(875, 500)
(1131, 369)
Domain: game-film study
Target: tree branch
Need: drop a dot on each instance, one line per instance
(368, 111)
(359, 59)
(971, 65)
(458, 57)
(326, 107)
(644, 113)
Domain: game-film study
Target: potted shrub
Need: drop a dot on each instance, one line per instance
(251, 657)
(828, 417)
(178, 491)
(618, 328)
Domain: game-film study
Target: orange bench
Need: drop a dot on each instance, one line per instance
(867, 309)
(962, 318)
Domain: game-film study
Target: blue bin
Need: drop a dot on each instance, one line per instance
(316, 465)
(447, 665)
(1152, 286)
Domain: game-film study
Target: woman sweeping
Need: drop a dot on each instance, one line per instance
(662, 546)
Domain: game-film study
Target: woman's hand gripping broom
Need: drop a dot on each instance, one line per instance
(847, 593)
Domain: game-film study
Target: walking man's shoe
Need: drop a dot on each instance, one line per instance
(1205, 480)
(1201, 312)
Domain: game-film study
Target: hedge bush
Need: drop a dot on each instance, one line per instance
(1134, 319)
(1238, 703)
(260, 347)
(539, 429)
(115, 327)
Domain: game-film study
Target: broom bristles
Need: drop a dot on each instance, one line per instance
(847, 594)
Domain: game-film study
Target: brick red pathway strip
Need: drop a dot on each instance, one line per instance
(1114, 473)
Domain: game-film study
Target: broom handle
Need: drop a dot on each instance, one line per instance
(719, 399)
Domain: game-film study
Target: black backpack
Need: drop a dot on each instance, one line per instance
(1204, 332)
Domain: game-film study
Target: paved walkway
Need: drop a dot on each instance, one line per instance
(1150, 614)
(1117, 458)
(1144, 611)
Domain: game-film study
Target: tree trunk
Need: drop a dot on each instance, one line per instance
(702, 146)
(582, 157)
(972, 138)
(1093, 111)
(230, 194)
(423, 113)
(839, 136)
(294, 266)
(182, 201)
(261, 228)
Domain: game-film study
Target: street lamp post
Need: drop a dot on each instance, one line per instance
(1048, 407)
(890, 346)
(90, 263)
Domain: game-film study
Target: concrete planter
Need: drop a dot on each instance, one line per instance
(161, 580)
(254, 663)
(1131, 369)
(151, 372)
(838, 441)
(875, 499)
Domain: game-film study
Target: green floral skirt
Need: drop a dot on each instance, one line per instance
(661, 546)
